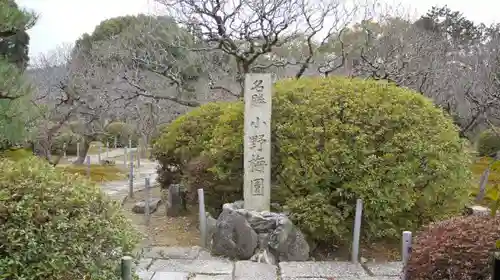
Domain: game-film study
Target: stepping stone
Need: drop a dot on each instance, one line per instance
(212, 277)
(194, 266)
(189, 253)
(170, 276)
(248, 270)
(140, 206)
(145, 275)
(310, 269)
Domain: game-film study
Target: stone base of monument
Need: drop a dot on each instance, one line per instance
(265, 237)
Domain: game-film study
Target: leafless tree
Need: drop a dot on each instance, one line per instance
(71, 92)
(461, 82)
(249, 31)
(55, 106)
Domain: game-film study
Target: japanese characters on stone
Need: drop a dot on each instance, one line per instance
(257, 137)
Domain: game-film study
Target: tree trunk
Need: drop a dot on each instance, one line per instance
(41, 148)
(84, 149)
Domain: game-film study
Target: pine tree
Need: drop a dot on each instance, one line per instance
(14, 90)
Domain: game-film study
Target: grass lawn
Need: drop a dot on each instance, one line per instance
(478, 168)
(94, 147)
(98, 173)
(134, 153)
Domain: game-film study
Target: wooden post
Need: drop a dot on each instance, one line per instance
(64, 150)
(78, 149)
(88, 167)
(126, 268)
(99, 151)
(147, 200)
(138, 155)
(202, 218)
(257, 142)
(357, 231)
(406, 251)
(107, 149)
(130, 143)
(115, 142)
(131, 177)
(125, 156)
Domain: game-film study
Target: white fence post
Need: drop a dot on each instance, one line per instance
(107, 149)
(125, 156)
(99, 151)
(131, 176)
(148, 197)
(203, 218)
(88, 167)
(357, 231)
(406, 250)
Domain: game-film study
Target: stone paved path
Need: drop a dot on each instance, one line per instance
(175, 263)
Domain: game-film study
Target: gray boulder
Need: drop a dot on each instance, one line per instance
(278, 238)
(140, 207)
(233, 236)
(295, 248)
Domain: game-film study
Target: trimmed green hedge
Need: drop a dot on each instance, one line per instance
(489, 143)
(55, 225)
(334, 140)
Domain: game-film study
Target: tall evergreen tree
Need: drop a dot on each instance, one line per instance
(14, 90)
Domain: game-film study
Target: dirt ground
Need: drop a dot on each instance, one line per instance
(164, 231)
(183, 231)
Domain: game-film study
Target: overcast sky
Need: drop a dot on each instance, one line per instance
(63, 21)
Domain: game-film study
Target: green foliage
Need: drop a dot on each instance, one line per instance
(55, 225)
(459, 248)
(16, 154)
(98, 173)
(489, 143)
(335, 140)
(142, 36)
(66, 137)
(15, 106)
(452, 24)
(122, 131)
(491, 168)
(14, 39)
(184, 140)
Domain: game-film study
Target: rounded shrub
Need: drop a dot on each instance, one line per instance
(182, 142)
(122, 132)
(489, 143)
(335, 140)
(458, 248)
(55, 225)
(66, 137)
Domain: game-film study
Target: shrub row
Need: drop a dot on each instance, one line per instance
(333, 140)
(57, 225)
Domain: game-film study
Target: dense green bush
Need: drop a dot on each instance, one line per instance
(182, 142)
(489, 143)
(66, 137)
(55, 225)
(458, 248)
(123, 132)
(16, 154)
(335, 140)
